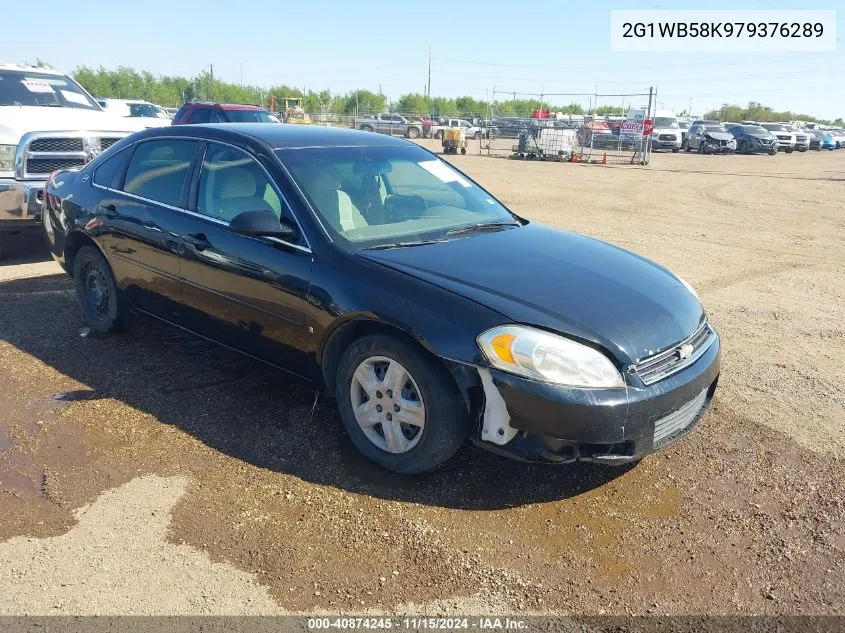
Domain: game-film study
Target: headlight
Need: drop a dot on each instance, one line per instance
(7, 157)
(689, 287)
(540, 355)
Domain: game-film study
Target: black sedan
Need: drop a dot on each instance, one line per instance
(392, 281)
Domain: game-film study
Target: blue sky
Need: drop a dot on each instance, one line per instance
(528, 47)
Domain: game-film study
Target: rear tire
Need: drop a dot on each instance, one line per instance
(366, 128)
(676, 150)
(97, 291)
(431, 421)
(413, 132)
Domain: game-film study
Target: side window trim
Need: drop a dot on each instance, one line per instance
(194, 194)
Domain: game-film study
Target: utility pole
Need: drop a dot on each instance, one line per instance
(211, 84)
(242, 73)
(428, 86)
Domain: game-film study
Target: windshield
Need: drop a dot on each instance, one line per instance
(774, 128)
(755, 129)
(250, 116)
(25, 88)
(146, 110)
(714, 128)
(371, 196)
(663, 122)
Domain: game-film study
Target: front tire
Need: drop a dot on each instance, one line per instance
(401, 409)
(97, 291)
(413, 132)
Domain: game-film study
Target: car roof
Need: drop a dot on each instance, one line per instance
(282, 136)
(224, 106)
(33, 69)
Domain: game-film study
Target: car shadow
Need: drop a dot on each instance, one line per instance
(252, 412)
(26, 247)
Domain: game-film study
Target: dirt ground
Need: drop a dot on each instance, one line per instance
(173, 477)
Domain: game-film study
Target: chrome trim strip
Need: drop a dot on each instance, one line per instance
(195, 214)
(682, 363)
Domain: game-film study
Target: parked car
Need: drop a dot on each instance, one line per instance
(392, 281)
(802, 138)
(393, 124)
(710, 138)
(210, 112)
(667, 132)
(823, 140)
(785, 136)
(47, 122)
(148, 114)
(753, 139)
(838, 137)
(512, 127)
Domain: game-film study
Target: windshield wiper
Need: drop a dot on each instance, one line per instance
(481, 226)
(379, 247)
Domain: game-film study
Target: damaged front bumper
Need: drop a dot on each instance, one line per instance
(540, 422)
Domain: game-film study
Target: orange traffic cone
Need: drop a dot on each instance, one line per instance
(604, 159)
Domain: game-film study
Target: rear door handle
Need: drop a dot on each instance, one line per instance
(198, 240)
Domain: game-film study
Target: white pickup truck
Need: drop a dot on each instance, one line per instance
(472, 131)
(47, 122)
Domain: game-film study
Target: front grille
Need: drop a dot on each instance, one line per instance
(56, 145)
(667, 137)
(48, 165)
(677, 421)
(784, 137)
(671, 361)
(46, 152)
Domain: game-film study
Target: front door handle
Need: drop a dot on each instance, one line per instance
(110, 211)
(198, 240)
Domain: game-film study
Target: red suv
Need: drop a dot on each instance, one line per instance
(204, 112)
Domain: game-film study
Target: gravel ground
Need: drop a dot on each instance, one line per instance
(170, 463)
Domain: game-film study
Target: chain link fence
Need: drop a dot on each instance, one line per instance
(593, 128)
(608, 129)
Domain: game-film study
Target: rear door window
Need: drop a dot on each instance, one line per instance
(200, 115)
(106, 174)
(158, 170)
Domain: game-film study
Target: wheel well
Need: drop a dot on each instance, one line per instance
(73, 243)
(343, 337)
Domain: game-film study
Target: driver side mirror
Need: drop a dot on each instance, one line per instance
(262, 224)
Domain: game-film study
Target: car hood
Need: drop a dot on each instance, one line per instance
(561, 281)
(720, 136)
(15, 121)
